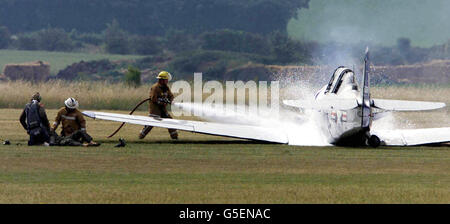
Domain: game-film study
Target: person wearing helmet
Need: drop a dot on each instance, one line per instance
(160, 97)
(34, 121)
(73, 131)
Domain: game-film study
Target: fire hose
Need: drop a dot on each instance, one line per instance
(135, 108)
(160, 100)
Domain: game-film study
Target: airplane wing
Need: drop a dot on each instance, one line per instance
(336, 104)
(219, 129)
(403, 105)
(409, 137)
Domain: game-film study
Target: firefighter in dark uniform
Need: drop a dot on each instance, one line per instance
(73, 131)
(160, 97)
(34, 121)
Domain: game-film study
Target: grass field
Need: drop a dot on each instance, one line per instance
(208, 169)
(57, 60)
(92, 95)
(118, 96)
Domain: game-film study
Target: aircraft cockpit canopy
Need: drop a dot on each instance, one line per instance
(341, 75)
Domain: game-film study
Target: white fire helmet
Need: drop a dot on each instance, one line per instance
(71, 103)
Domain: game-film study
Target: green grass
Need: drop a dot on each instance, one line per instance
(57, 60)
(208, 169)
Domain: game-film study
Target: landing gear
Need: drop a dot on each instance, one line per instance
(373, 141)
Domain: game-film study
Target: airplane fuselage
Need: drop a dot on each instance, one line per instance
(343, 127)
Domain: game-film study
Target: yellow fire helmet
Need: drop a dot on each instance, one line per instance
(164, 75)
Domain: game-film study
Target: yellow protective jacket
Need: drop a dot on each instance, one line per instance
(158, 91)
(71, 122)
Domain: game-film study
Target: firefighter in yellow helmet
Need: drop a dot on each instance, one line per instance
(160, 97)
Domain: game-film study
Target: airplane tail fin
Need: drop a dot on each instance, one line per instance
(366, 110)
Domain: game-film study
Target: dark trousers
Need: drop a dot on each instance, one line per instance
(81, 136)
(172, 132)
(38, 136)
(75, 139)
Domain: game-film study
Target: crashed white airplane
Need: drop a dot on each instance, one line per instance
(345, 112)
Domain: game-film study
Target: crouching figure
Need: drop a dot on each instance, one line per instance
(73, 131)
(34, 121)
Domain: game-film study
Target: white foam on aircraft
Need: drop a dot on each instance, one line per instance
(301, 130)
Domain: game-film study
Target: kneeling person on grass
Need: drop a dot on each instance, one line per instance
(34, 121)
(73, 131)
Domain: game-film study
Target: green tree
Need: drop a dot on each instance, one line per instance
(178, 40)
(404, 45)
(5, 37)
(133, 77)
(27, 42)
(147, 45)
(54, 39)
(237, 41)
(150, 17)
(116, 39)
(283, 48)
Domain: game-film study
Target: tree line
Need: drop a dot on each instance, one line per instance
(254, 28)
(272, 48)
(150, 17)
(115, 40)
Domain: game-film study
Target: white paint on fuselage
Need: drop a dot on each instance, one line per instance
(337, 124)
